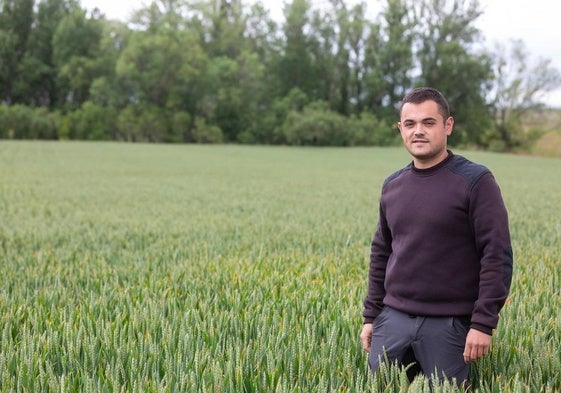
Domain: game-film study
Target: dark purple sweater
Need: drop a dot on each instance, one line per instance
(442, 244)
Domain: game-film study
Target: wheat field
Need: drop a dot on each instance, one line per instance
(182, 268)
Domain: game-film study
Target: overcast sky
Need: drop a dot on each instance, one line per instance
(536, 23)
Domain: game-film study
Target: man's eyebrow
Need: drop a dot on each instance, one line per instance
(422, 120)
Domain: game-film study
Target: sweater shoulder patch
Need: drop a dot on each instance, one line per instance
(467, 169)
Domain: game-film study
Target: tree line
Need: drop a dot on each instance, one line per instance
(226, 71)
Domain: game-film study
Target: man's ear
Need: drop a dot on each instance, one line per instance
(449, 125)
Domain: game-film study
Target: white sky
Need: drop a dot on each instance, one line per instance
(536, 23)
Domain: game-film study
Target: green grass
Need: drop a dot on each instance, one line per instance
(166, 268)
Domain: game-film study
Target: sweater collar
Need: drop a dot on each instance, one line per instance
(434, 168)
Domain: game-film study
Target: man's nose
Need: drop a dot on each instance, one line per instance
(419, 130)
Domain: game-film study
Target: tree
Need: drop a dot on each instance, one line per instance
(357, 32)
(38, 79)
(161, 70)
(447, 60)
(8, 65)
(107, 89)
(77, 60)
(264, 43)
(324, 53)
(294, 69)
(159, 65)
(262, 34)
(519, 86)
(389, 58)
(16, 20)
(228, 28)
(336, 47)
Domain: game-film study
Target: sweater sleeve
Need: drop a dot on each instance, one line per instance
(379, 254)
(489, 220)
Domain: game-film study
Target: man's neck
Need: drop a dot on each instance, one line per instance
(430, 162)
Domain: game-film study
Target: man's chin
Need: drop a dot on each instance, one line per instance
(420, 152)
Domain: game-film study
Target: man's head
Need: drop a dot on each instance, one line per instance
(425, 124)
(422, 94)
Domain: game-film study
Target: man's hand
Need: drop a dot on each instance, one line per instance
(477, 345)
(366, 336)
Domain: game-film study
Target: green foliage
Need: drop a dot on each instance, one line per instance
(180, 128)
(369, 130)
(295, 68)
(206, 133)
(16, 19)
(143, 123)
(517, 88)
(23, 122)
(390, 56)
(8, 42)
(148, 268)
(249, 76)
(157, 67)
(90, 122)
(232, 100)
(38, 73)
(315, 125)
(446, 35)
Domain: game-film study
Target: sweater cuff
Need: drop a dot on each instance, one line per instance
(482, 328)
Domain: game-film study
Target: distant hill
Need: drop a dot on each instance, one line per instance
(546, 122)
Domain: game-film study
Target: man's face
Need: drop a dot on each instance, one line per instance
(424, 132)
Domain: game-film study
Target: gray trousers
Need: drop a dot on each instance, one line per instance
(435, 343)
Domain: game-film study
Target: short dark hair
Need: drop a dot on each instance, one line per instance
(422, 94)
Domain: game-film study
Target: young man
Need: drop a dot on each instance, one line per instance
(441, 258)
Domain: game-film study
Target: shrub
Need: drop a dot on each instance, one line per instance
(369, 130)
(143, 123)
(23, 122)
(180, 128)
(89, 122)
(315, 125)
(206, 133)
(45, 124)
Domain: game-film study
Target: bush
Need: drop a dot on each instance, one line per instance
(23, 122)
(497, 146)
(45, 124)
(316, 125)
(143, 123)
(206, 133)
(16, 122)
(89, 122)
(4, 128)
(369, 130)
(180, 128)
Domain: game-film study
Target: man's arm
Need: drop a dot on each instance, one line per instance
(489, 220)
(379, 254)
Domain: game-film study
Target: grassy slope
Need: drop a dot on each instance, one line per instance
(548, 122)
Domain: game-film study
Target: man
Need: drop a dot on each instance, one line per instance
(441, 259)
